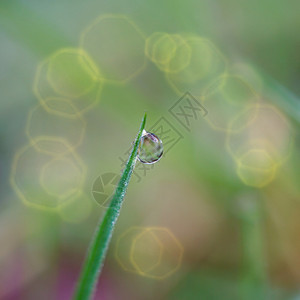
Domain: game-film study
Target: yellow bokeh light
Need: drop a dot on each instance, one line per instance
(256, 168)
(225, 98)
(170, 52)
(71, 73)
(31, 167)
(160, 47)
(205, 63)
(152, 252)
(266, 129)
(68, 74)
(60, 177)
(181, 58)
(146, 252)
(44, 128)
(123, 248)
(116, 45)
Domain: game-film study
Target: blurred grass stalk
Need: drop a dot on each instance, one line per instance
(99, 245)
(281, 96)
(253, 283)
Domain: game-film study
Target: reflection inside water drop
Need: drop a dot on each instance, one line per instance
(150, 149)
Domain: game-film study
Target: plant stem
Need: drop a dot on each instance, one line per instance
(99, 245)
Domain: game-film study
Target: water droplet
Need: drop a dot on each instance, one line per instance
(150, 149)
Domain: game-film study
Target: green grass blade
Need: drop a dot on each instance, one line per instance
(98, 247)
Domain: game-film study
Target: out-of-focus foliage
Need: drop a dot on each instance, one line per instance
(218, 216)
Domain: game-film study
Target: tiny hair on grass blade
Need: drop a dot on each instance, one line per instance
(98, 247)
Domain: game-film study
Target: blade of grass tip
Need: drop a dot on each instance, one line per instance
(99, 245)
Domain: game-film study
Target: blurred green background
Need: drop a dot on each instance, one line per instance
(218, 216)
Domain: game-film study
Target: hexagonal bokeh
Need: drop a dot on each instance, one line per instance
(44, 128)
(267, 129)
(160, 48)
(68, 74)
(226, 97)
(57, 171)
(170, 52)
(146, 252)
(46, 181)
(116, 44)
(204, 65)
(152, 252)
(256, 168)
(123, 248)
(181, 58)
